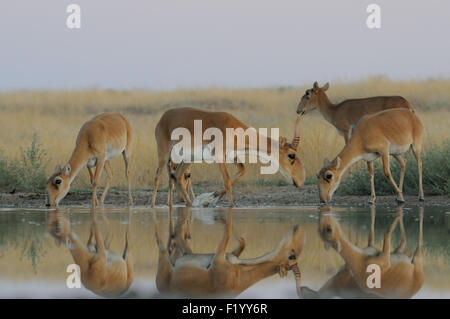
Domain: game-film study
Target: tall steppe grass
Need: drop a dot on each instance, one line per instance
(54, 118)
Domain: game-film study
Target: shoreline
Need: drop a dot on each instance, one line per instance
(243, 196)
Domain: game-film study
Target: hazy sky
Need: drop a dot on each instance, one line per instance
(166, 44)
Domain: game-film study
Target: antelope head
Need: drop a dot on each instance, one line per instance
(311, 99)
(329, 178)
(58, 227)
(290, 165)
(290, 249)
(172, 173)
(330, 232)
(58, 185)
(180, 240)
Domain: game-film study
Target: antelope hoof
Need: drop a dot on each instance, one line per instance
(371, 201)
(400, 199)
(421, 198)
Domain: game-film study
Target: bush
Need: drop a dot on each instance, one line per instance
(26, 173)
(436, 172)
(311, 181)
(6, 177)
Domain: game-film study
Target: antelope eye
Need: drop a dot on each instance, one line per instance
(329, 176)
(58, 181)
(291, 156)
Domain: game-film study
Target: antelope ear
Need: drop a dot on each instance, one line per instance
(282, 141)
(326, 162)
(338, 246)
(337, 162)
(326, 86)
(316, 85)
(67, 169)
(57, 168)
(318, 174)
(326, 245)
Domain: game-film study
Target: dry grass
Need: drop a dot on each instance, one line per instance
(56, 116)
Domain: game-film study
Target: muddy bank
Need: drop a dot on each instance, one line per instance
(243, 196)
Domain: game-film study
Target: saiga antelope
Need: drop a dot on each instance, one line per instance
(184, 118)
(400, 276)
(104, 137)
(221, 273)
(390, 132)
(102, 271)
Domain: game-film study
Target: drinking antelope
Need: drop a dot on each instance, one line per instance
(101, 139)
(172, 119)
(400, 275)
(183, 272)
(389, 132)
(185, 181)
(102, 271)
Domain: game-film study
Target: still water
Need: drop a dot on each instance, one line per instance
(37, 247)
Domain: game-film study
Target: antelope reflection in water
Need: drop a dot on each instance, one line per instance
(103, 271)
(400, 277)
(183, 272)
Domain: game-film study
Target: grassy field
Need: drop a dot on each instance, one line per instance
(55, 118)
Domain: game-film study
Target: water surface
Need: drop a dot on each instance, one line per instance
(33, 266)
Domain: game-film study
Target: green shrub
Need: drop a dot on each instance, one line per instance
(282, 182)
(264, 182)
(311, 181)
(6, 177)
(436, 174)
(26, 173)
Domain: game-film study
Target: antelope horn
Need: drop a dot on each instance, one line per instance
(292, 261)
(296, 139)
